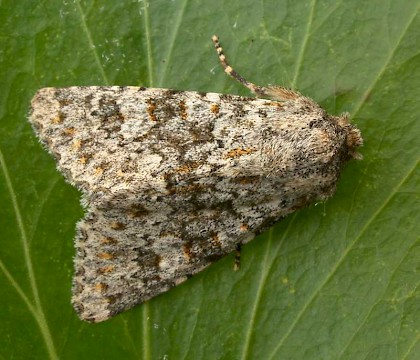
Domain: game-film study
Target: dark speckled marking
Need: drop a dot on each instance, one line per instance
(151, 108)
(183, 110)
(117, 225)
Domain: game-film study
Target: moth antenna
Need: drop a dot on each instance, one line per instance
(274, 92)
(229, 70)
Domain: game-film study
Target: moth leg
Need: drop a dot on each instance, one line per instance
(274, 92)
(237, 262)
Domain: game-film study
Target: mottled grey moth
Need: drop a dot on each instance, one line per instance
(173, 180)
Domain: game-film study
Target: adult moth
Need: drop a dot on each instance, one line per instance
(173, 180)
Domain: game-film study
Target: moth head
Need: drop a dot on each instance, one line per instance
(353, 136)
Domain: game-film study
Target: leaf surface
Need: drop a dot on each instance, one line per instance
(334, 281)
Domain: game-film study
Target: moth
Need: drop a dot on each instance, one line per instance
(173, 180)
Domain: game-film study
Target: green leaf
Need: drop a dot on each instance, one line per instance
(334, 281)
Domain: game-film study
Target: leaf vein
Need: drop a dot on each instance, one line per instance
(90, 41)
(381, 71)
(37, 311)
(338, 263)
